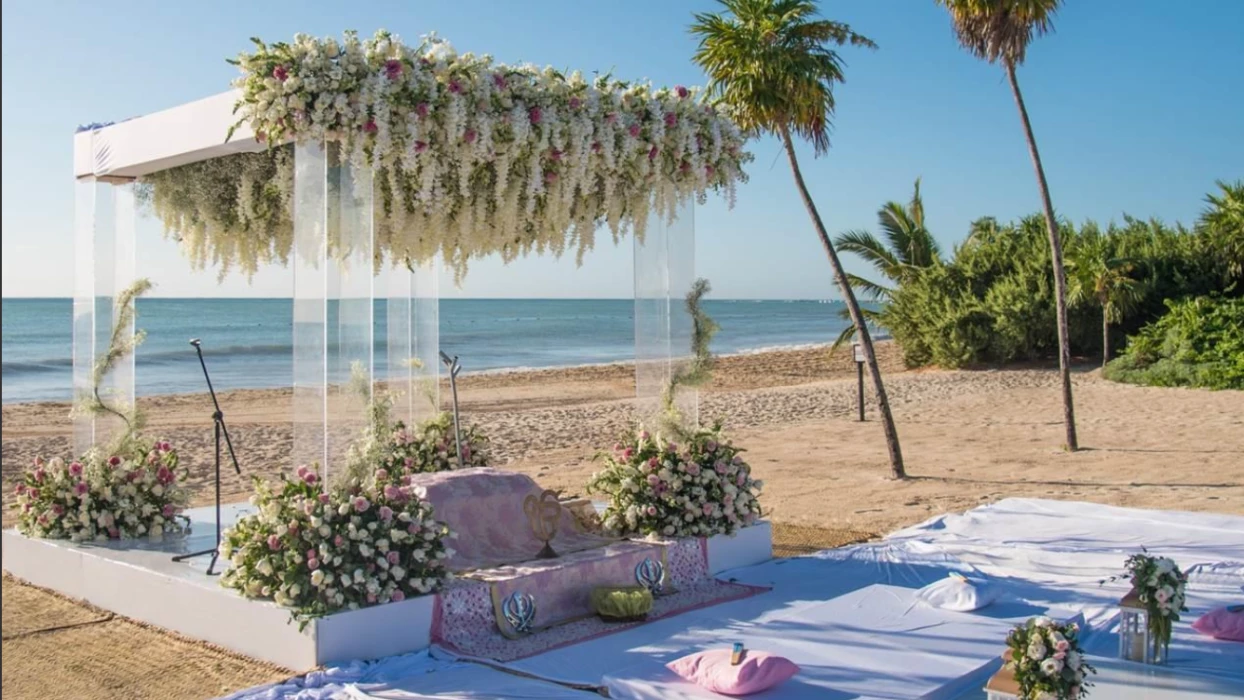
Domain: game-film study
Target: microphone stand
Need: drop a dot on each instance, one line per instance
(218, 417)
(454, 368)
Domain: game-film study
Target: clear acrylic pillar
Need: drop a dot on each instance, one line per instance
(104, 265)
(412, 325)
(664, 275)
(334, 297)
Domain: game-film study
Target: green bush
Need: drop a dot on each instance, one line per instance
(1198, 343)
(992, 301)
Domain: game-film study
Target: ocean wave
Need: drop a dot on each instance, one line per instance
(158, 357)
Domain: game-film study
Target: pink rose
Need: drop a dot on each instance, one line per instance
(361, 504)
(310, 477)
(455, 87)
(498, 80)
(40, 475)
(420, 147)
(652, 153)
(386, 513)
(76, 469)
(710, 446)
(634, 131)
(21, 489)
(382, 474)
(34, 493)
(469, 136)
(421, 109)
(682, 91)
(555, 155)
(311, 553)
(169, 510)
(164, 475)
(708, 508)
(370, 127)
(58, 509)
(708, 170)
(313, 563)
(535, 114)
(324, 498)
(742, 478)
(293, 528)
(280, 73)
(274, 542)
(575, 103)
(338, 540)
(550, 176)
(165, 447)
(612, 118)
(413, 528)
(652, 510)
(398, 597)
(653, 480)
(671, 119)
(627, 453)
(393, 69)
(392, 557)
(302, 471)
(114, 460)
(81, 488)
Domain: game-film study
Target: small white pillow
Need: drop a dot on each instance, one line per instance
(958, 593)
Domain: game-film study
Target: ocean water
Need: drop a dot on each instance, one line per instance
(247, 342)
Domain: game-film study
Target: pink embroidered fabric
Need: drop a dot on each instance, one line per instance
(485, 508)
(467, 623)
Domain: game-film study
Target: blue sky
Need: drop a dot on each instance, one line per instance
(1137, 106)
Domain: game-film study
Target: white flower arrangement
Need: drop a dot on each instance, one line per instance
(138, 492)
(470, 157)
(319, 550)
(1047, 660)
(1161, 588)
(657, 487)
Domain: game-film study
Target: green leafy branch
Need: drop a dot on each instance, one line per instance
(121, 344)
(700, 370)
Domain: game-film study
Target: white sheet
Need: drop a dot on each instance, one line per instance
(465, 681)
(878, 641)
(1120, 680)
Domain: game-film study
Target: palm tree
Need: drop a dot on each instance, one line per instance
(1098, 274)
(772, 64)
(1000, 31)
(908, 247)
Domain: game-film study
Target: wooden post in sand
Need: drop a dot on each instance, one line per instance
(859, 372)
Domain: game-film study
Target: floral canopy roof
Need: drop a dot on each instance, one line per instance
(470, 157)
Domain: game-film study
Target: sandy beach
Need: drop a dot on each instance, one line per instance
(969, 437)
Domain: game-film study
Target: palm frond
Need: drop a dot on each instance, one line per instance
(1001, 30)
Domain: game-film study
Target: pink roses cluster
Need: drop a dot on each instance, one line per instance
(137, 493)
(657, 486)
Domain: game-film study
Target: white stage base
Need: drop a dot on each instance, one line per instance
(138, 579)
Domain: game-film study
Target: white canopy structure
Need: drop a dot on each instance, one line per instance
(335, 287)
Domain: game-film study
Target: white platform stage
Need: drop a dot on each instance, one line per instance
(138, 579)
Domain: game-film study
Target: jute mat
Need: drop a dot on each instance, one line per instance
(76, 652)
(796, 540)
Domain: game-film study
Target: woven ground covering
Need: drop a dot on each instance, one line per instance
(55, 649)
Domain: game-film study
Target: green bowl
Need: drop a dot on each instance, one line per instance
(622, 603)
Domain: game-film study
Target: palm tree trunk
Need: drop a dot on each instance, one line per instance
(897, 470)
(1105, 339)
(1060, 274)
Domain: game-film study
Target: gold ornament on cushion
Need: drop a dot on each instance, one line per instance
(544, 513)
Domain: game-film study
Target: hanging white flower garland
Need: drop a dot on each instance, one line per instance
(473, 158)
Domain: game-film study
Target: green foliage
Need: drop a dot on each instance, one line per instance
(1199, 343)
(700, 369)
(622, 603)
(992, 301)
(769, 62)
(121, 344)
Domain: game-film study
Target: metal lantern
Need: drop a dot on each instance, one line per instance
(1135, 640)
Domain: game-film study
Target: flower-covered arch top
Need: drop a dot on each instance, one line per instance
(471, 157)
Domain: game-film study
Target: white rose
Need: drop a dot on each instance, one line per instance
(324, 530)
(1051, 666)
(317, 578)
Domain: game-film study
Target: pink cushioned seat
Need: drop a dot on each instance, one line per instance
(712, 670)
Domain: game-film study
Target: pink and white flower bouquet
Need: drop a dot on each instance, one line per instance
(1047, 660)
(1161, 587)
(137, 492)
(658, 487)
(318, 550)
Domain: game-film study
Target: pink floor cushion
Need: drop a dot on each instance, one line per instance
(1223, 623)
(713, 671)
